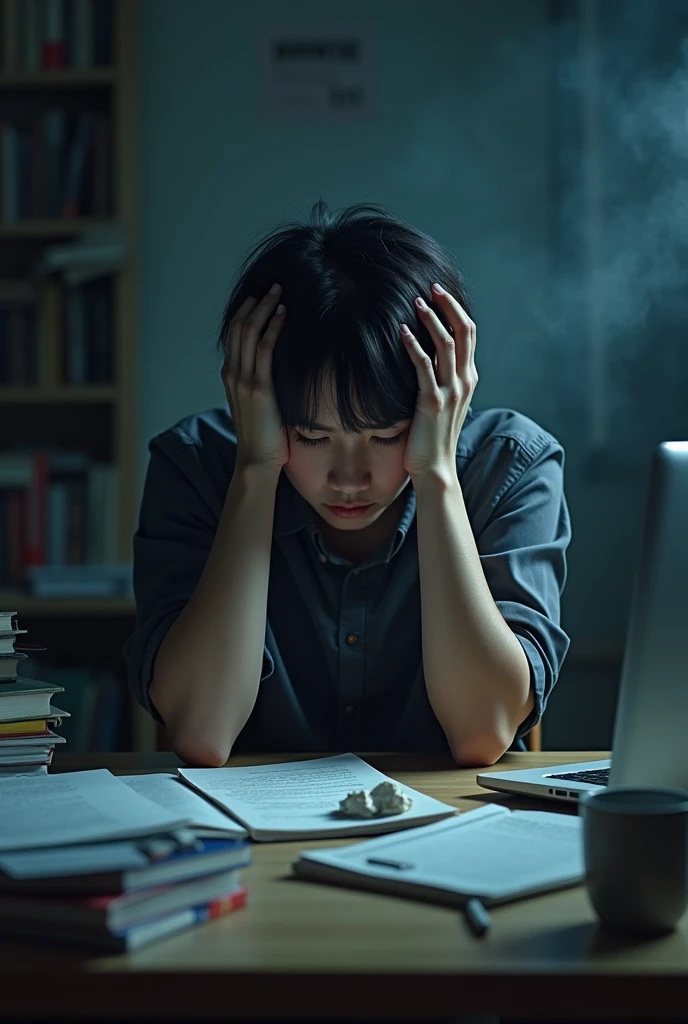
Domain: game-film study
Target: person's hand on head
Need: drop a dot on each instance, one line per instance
(262, 441)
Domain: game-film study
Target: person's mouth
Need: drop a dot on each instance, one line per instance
(350, 510)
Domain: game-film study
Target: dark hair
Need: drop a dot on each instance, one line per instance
(348, 281)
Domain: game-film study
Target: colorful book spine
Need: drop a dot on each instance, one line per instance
(149, 931)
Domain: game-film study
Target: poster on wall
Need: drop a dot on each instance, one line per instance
(316, 72)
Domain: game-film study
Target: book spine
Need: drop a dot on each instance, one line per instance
(82, 29)
(10, 36)
(57, 518)
(150, 931)
(31, 32)
(9, 165)
(53, 52)
(76, 162)
(36, 503)
(15, 537)
(54, 130)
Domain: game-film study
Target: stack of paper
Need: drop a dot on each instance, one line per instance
(86, 858)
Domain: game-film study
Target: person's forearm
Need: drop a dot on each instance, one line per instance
(207, 670)
(476, 672)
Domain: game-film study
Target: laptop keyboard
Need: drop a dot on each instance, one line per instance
(598, 777)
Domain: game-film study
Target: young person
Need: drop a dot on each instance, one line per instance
(350, 557)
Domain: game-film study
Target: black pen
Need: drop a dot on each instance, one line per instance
(477, 917)
(400, 865)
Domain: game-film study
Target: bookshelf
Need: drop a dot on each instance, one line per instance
(69, 176)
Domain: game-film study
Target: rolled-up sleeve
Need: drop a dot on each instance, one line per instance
(177, 524)
(522, 548)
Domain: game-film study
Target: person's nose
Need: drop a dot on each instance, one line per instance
(350, 476)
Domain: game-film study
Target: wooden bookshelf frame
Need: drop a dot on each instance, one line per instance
(122, 79)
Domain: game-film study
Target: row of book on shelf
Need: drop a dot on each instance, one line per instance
(113, 882)
(47, 35)
(56, 163)
(59, 525)
(69, 326)
(57, 323)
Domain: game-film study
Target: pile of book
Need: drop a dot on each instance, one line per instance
(27, 739)
(113, 864)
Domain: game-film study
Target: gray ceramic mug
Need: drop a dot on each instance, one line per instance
(636, 856)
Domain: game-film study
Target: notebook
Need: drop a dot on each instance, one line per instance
(300, 799)
(491, 853)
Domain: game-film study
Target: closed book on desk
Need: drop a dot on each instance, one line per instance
(112, 913)
(118, 867)
(32, 726)
(136, 936)
(9, 663)
(492, 853)
(26, 697)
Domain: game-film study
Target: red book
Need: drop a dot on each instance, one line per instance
(53, 55)
(233, 901)
(36, 503)
(15, 536)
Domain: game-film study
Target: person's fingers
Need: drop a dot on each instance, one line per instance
(232, 340)
(251, 332)
(266, 346)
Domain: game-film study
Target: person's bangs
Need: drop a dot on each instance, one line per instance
(351, 358)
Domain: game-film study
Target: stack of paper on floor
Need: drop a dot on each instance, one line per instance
(300, 799)
(27, 740)
(85, 858)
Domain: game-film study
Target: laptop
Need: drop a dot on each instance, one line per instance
(650, 743)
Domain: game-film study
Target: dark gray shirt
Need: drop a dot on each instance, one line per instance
(342, 664)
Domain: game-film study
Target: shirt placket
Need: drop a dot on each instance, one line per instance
(351, 635)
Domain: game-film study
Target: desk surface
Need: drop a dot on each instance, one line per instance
(308, 951)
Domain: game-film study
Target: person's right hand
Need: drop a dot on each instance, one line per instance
(247, 375)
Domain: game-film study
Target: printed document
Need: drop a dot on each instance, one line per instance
(300, 799)
(76, 807)
(169, 792)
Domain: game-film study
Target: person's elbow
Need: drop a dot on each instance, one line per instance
(194, 733)
(198, 750)
(479, 751)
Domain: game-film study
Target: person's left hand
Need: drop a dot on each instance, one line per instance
(445, 387)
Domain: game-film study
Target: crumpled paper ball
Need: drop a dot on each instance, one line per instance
(385, 799)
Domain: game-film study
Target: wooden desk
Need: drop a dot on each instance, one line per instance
(304, 951)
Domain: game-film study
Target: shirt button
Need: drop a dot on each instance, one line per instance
(323, 558)
(351, 639)
(348, 709)
(355, 572)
